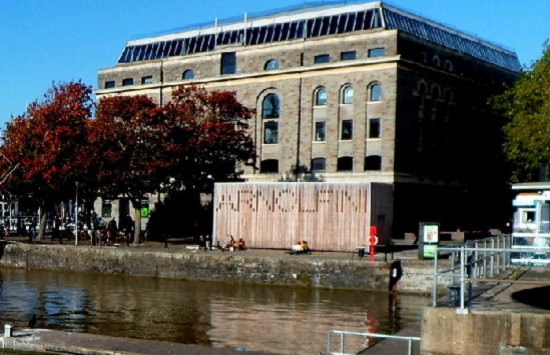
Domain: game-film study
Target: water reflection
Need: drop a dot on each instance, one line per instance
(281, 320)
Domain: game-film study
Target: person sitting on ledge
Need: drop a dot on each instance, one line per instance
(241, 244)
(229, 242)
(305, 247)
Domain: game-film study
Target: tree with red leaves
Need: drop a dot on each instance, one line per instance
(45, 149)
(207, 138)
(128, 150)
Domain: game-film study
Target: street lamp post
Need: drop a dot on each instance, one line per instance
(76, 217)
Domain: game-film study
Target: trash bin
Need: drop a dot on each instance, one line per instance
(454, 296)
(361, 252)
(8, 330)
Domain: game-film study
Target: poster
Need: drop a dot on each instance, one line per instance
(429, 240)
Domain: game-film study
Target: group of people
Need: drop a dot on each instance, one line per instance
(229, 244)
(300, 247)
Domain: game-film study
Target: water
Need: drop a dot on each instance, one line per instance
(275, 319)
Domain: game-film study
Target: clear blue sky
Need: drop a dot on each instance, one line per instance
(42, 41)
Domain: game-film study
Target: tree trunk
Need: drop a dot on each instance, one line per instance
(42, 226)
(137, 221)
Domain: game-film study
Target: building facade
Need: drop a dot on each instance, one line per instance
(361, 92)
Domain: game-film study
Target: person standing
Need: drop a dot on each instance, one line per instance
(112, 230)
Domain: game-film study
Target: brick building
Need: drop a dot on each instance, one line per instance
(361, 92)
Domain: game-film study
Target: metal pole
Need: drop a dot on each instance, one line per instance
(76, 217)
(462, 276)
(341, 343)
(492, 257)
(434, 289)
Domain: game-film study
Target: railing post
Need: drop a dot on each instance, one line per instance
(462, 276)
(410, 347)
(498, 255)
(492, 257)
(484, 259)
(476, 264)
(342, 346)
(434, 287)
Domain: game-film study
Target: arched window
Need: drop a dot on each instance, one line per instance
(345, 164)
(188, 74)
(436, 61)
(347, 95)
(373, 162)
(321, 97)
(318, 164)
(448, 65)
(376, 92)
(271, 106)
(271, 64)
(269, 166)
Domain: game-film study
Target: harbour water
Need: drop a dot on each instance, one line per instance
(275, 319)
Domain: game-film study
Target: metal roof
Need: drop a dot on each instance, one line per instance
(309, 21)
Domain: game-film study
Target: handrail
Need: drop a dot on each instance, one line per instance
(343, 333)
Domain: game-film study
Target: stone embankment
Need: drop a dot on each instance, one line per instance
(320, 270)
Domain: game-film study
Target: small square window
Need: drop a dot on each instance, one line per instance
(127, 82)
(352, 55)
(110, 84)
(377, 52)
(323, 58)
(147, 80)
(320, 131)
(347, 130)
(374, 128)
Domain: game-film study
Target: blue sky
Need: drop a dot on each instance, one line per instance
(45, 41)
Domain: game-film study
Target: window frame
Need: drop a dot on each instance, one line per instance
(263, 164)
(343, 130)
(317, 160)
(379, 97)
(377, 52)
(341, 161)
(268, 65)
(188, 74)
(375, 122)
(228, 63)
(318, 92)
(275, 104)
(316, 136)
(321, 59)
(128, 82)
(273, 132)
(372, 157)
(111, 84)
(344, 55)
(146, 79)
(104, 204)
(345, 100)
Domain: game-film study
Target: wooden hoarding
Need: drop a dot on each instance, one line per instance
(329, 216)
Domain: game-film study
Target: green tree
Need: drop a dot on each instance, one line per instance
(526, 106)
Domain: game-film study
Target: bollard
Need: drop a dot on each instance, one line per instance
(8, 329)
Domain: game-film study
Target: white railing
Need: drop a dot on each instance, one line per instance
(343, 334)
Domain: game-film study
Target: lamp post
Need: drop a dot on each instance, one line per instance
(76, 217)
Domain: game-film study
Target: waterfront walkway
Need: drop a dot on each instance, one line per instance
(58, 342)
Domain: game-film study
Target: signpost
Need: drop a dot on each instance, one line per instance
(429, 240)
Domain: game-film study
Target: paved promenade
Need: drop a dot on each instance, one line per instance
(52, 341)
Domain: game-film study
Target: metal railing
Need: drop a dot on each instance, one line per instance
(343, 334)
(478, 261)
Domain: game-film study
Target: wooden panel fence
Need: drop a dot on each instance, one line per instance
(330, 216)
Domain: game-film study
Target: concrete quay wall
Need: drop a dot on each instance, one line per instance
(245, 267)
(485, 332)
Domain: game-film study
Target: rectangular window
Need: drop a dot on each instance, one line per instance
(348, 55)
(147, 80)
(320, 130)
(318, 164)
(229, 63)
(377, 52)
(374, 128)
(347, 130)
(271, 132)
(322, 58)
(145, 208)
(110, 84)
(107, 208)
(127, 82)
